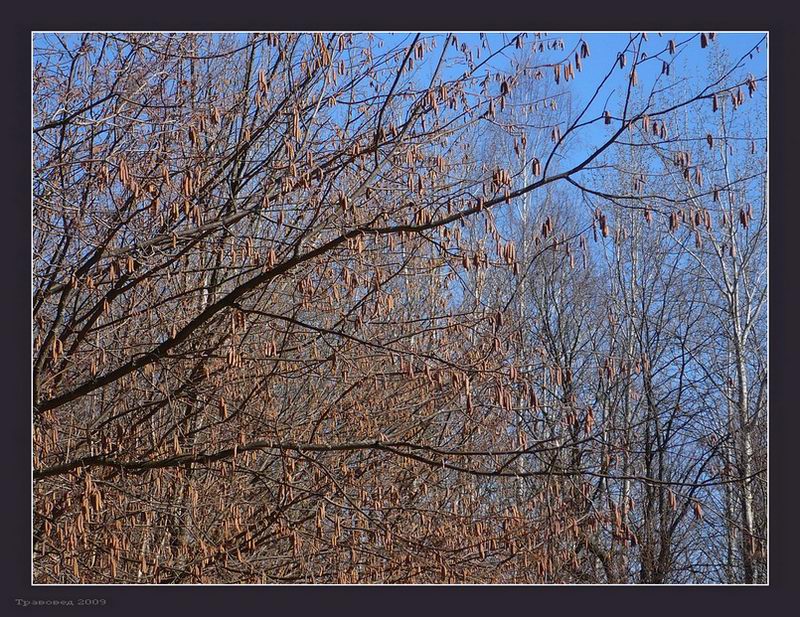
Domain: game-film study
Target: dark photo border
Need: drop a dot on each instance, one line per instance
(784, 555)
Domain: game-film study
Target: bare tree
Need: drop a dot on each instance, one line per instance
(358, 308)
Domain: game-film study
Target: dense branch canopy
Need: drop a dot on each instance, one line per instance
(398, 308)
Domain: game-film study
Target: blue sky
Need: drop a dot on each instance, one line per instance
(691, 62)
